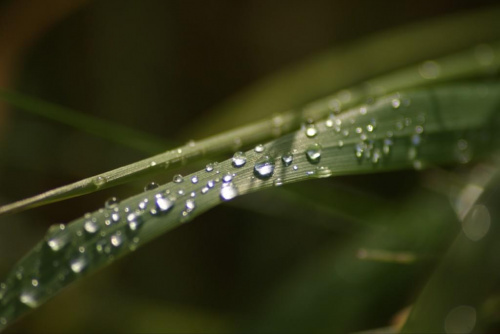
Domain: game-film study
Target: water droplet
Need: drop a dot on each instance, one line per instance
(278, 182)
(239, 159)
(416, 139)
(363, 110)
(429, 70)
(259, 148)
(34, 282)
(210, 184)
(91, 226)
(287, 159)
(143, 205)
(190, 205)
(111, 203)
(359, 130)
(311, 130)
(264, 167)
(29, 298)
(178, 178)
(295, 167)
(209, 167)
(228, 191)
(115, 217)
(323, 171)
(204, 190)
(78, 264)
(376, 156)
(359, 150)
(313, 153)
(341, 143)
(99, 181)
(227, 178)
(151, 186)
(116, 239)
(419, 129)
(163, 204)
(152, 163)
(345, 133)
(396, 103)
(194, 179)
(57, 237)
(134, 221)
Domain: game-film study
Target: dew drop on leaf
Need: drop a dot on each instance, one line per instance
(287, 159)
(239, 159)
(311, 130)
(78, 264)
(194, 179)
(91, 226)
(264, 167)
(228, 191)
(151, 186)
(111, 203)
(313, 153)
(178, 178)
(57, 237)
(259, 148)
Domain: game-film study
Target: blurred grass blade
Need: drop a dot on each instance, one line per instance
(344, 66)
(119, 134)
(474, 62)
(446, 124)
(468, 274)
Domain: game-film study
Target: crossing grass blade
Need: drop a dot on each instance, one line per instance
(451, 123)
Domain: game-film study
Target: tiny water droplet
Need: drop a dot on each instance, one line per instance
(227, 178)
(210, 184)
(111, 203)
(194, 179)
(359, 150)
(287, 159)
(313, 153)
(99, 181)
(152, 163)
(134, 221)
(204, 190)
(386, 148)
(295, 167)
(264, 167)
(178, 178)
(341, 143)
(151, 186)
(278, 182)
(259, 148)
(376, 156)
(228, 191)
(209, 167)
(239, 159)
(362, 110)
(311, 130)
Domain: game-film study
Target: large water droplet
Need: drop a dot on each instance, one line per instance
(259, 148)
(228, 191)
(57, 237)
(287, 159)
(239, 159)
(313, 153)
(264, 167)
(163, 204)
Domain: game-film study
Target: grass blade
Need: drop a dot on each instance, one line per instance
(445, 124)
(475, 62)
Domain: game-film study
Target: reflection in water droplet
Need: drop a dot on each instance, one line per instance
(239, 159)
(259, 148)
(57, 237)
(151, 186)
(228, 191)
(460, 320)
(264, 167)
(313, 153)
(477, 223)
(178, 178)
(287, 159)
